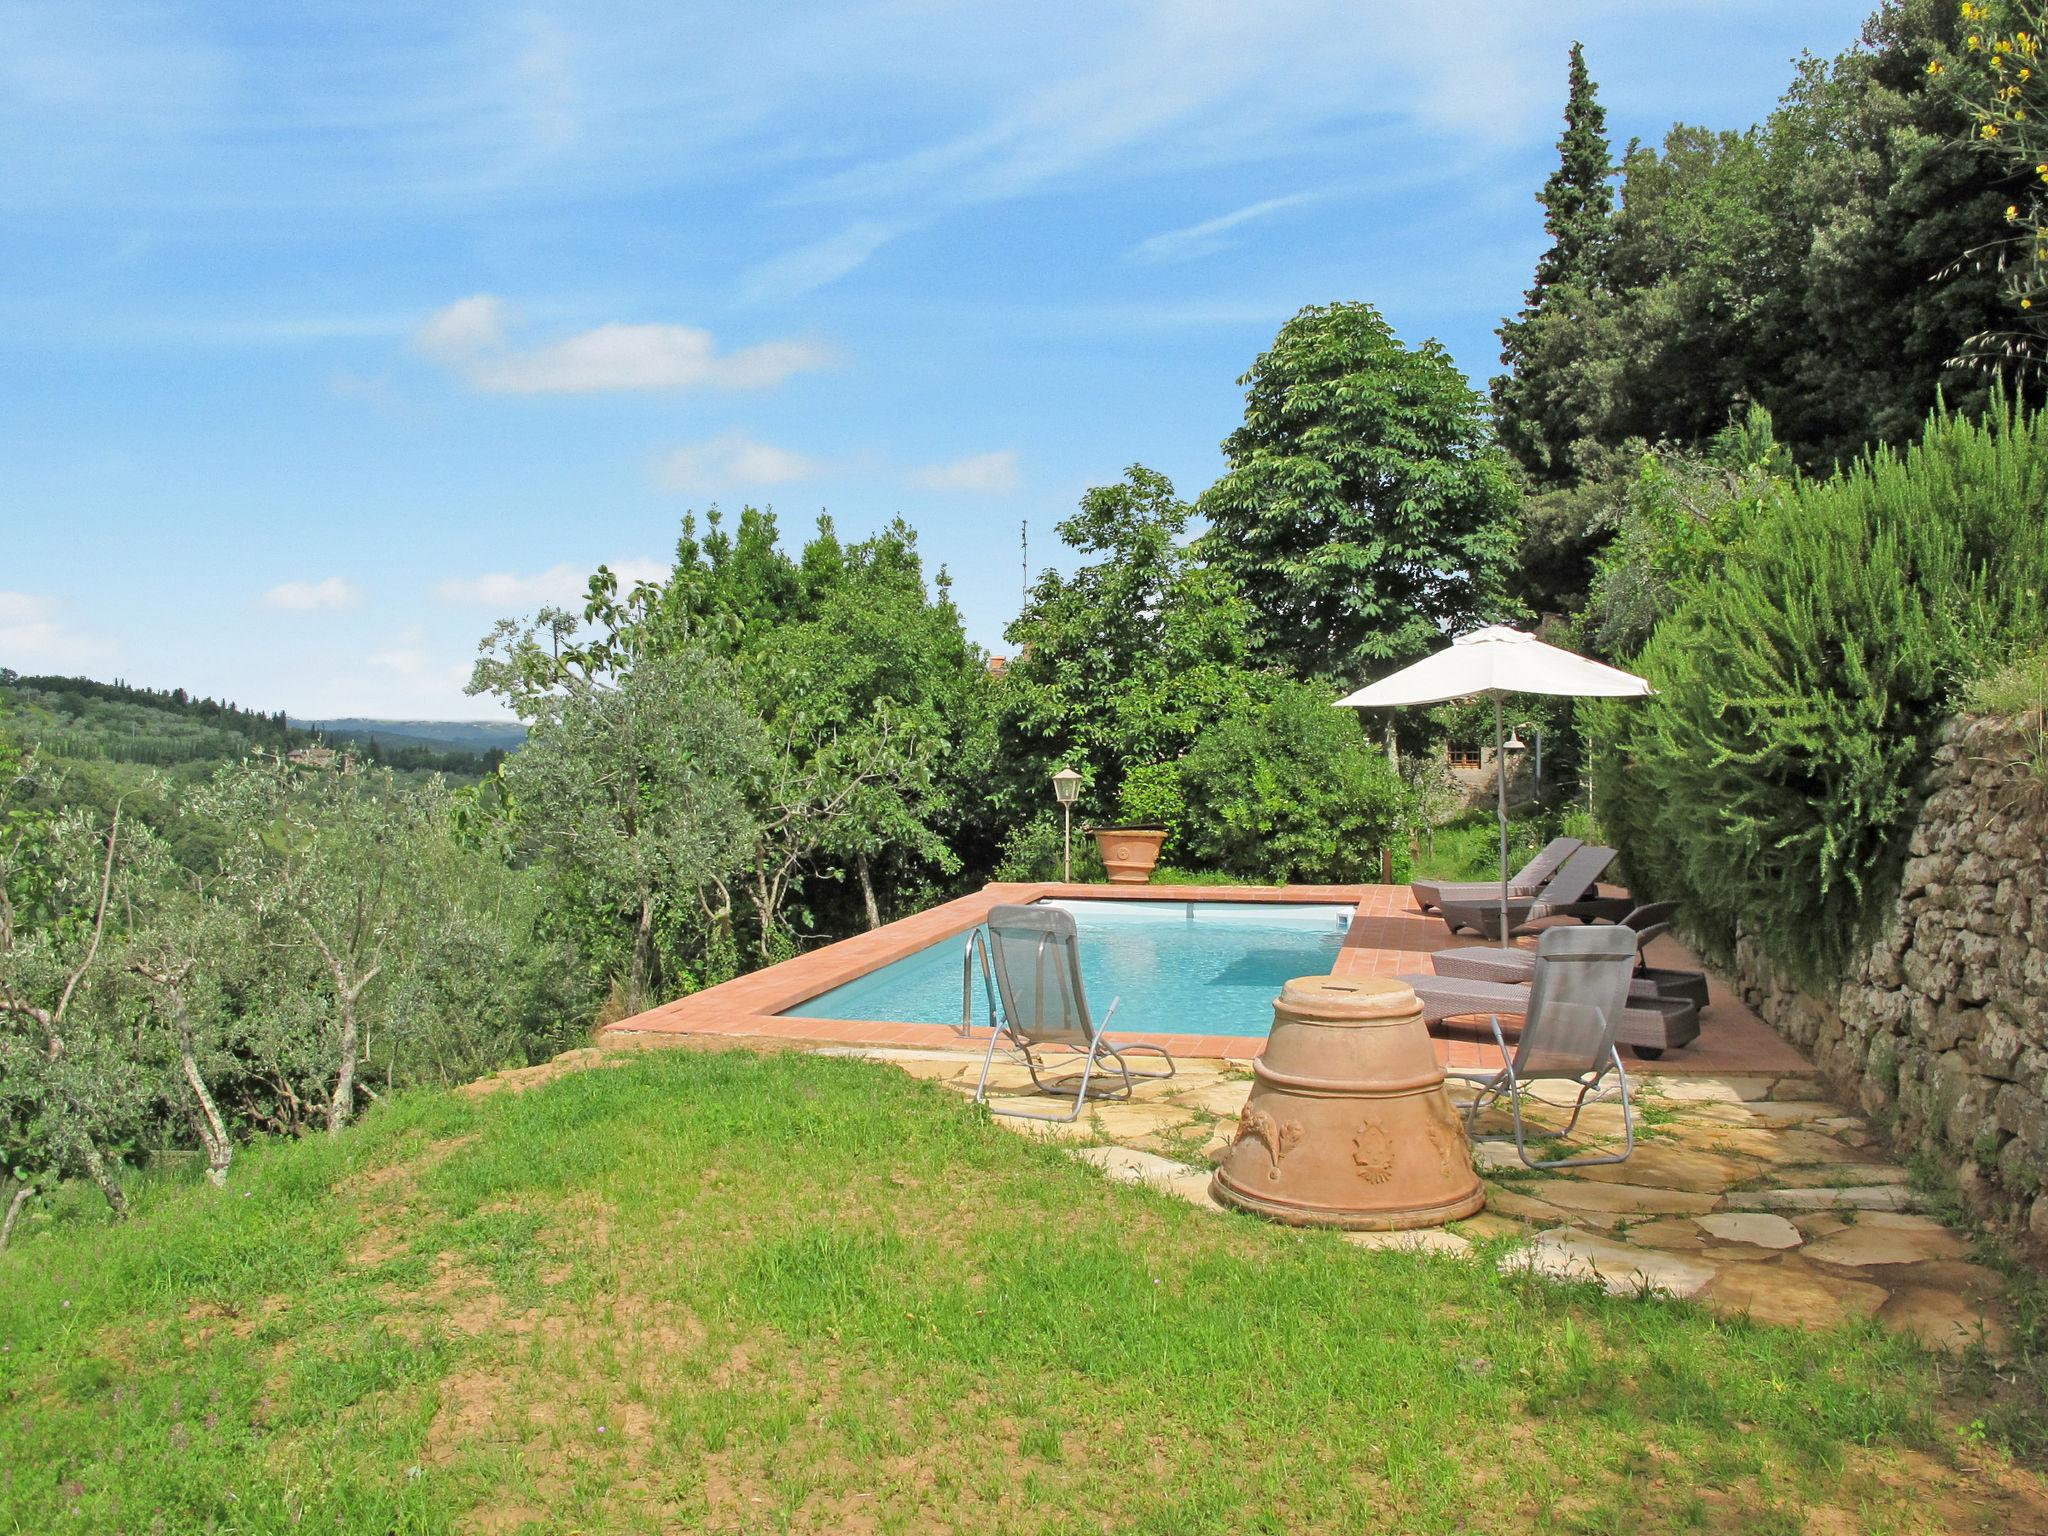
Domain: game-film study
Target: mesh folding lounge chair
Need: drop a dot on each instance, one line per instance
(1036, 953)
(1567, 1036)
(1528, 881)
(1565, 893)
(1649, 1026)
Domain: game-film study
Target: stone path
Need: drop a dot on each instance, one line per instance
(1750, 1194)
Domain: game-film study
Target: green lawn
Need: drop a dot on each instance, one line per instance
(736, 1292)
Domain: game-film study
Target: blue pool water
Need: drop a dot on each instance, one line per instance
(1180, 967)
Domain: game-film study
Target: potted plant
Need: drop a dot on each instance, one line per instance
(1129, 853)
(1151, 808)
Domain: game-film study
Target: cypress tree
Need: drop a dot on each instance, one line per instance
(1578, 213)
(1578, 204)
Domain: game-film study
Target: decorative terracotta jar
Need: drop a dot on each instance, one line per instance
(1129, 853)
(1348, 1124)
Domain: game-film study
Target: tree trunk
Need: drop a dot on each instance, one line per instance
(867, 890)
(213, 1131)
(343, 1104)
(641, 982)
(21, 1198)
(96, 1169)
(346, 995)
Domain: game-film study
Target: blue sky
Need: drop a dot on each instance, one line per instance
(331, 333)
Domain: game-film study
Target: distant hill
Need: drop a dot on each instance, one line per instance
(88, 721)
(473, 736)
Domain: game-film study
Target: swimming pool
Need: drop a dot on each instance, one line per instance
(1180, 967)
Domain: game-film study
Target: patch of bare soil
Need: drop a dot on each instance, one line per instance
(382, 1199)
(520, 1079)
(1954, 1491)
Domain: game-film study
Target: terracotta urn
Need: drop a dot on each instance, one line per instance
(1348, 1124)
(1129, 853)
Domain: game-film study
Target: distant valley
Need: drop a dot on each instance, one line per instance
(476, 736)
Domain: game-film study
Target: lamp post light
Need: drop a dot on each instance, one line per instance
(1066, 785)
(1515, 744)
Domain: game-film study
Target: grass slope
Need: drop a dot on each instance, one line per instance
(737, 1292)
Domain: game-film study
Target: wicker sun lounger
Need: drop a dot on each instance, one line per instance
(1490, 962)
(1651, 1026)
(1432, 894)
(1571, 892)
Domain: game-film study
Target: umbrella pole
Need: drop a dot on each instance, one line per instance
(1500, 781)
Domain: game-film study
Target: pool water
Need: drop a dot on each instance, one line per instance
(1180, 967)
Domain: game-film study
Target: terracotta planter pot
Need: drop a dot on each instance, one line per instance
(1348, 1124)
(1129, 853)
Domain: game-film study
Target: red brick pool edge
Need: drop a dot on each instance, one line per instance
(1388, 936)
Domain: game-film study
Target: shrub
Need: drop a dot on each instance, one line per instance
(1290, 789)
(1151, 797)
(1772, 781)
(1032, 852)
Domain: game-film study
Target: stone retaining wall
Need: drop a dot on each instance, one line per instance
(1941, 1030)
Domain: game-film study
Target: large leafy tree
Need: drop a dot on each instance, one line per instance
(1126, 661)
(1365, 511)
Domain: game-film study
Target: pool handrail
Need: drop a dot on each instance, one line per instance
(976, 941)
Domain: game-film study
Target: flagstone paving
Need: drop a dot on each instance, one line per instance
(1750, 1194)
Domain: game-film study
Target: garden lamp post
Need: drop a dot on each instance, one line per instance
(1515, 744)
(1066, 785)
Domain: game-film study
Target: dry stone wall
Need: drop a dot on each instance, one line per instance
(1941, 1029)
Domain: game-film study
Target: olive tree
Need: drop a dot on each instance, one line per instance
(66, 1089)
(634, 783)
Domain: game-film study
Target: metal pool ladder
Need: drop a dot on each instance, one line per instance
(977, 943)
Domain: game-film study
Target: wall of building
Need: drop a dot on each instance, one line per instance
(1940, 1031)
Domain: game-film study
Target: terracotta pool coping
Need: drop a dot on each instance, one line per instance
(755, 1005)
(1388, 937)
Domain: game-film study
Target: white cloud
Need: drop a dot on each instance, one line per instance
(1203, 238)
(983, 474)
(35, 634)
(558, 585)
(812, 267)
(732, 461)
(469, 336)
(312, 596)
(465, 328)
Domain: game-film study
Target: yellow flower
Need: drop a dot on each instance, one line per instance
(1934, 66)
(2026, 303)
(2012, 210)
(2026, 74)
(1988, 131)
(1975, 42)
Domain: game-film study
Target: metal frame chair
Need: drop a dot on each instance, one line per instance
(1036, 956)
(1575, 1003)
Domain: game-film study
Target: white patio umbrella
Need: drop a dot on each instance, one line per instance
(1498, 660)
